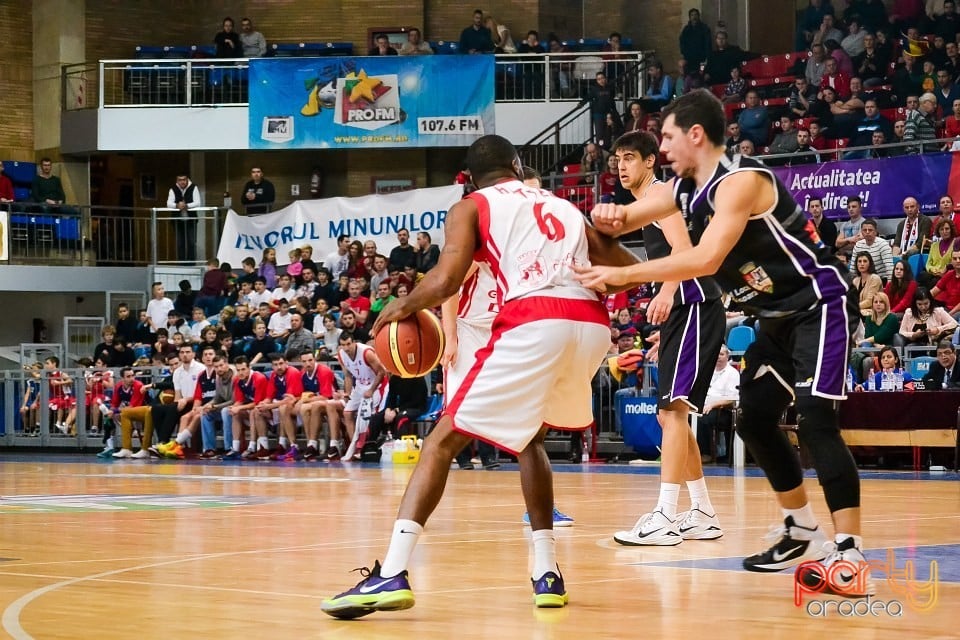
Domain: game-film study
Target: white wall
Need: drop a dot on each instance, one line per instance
(32, 279)
(19, 310)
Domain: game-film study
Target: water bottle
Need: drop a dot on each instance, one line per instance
(386, 449)
(886, 383)
(898, 380)
(850, 381)
(104, 409)
(870, 380)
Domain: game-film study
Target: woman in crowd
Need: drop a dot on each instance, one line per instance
(941, 252)
(268, 268)
(923, 324)
(356, 268)
(881, 325)
(890, 367)
(867, 282)
(901, 288)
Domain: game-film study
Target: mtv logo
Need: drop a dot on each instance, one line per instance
(367, 102)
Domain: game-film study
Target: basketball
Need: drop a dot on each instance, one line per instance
(411, 347)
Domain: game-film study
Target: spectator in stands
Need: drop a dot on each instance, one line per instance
(500, 33)
(944, 373)
(268, 268)
(659, 86)
(844, 62)
(826, 229)
(947, 289)
(300, 339)
(786, 141)
(912, 231)
(47, 190)
(262, 345)
(878, 138)
(476, 38)
(734, 135)
(901, 288)
(921, 125)
(184, 302)
(402, 255)
(947, 24)
(636, 119)
(355, 257)
(601, 98)
(946, 92)
(327, 333)
(938, 52)
(184, 196)
(952, 127)
(880, 325)
(866, 282)
(816, 65)
(253, 44)
(258, 192)
(924, 324)
(6, 187)
(946, 213)
(279, 325)
(802, 94)
(427, 253)
(721, 60)
(381, 46)
(848, 233)
(899, 129)
(832, 77)
(871, 122)
(686, 80)
(879, 249)
(357, 303)
(805, 154)
(853, 44)
(952, 63)
(158, 307)
(871, 65)
(415, 45)
(227, 41)
(941, 253)
(695, 40)
(827, 31)
(809, 22)
(733, 92)
(754, 120)
(747, 148)
(339, 260)
(213, 291)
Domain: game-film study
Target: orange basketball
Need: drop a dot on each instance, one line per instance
(411, 347)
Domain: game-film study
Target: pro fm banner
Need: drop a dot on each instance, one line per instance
(319, 223)
(376, 101)
(882, 184)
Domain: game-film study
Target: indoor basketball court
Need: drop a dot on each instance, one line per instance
(151, 549)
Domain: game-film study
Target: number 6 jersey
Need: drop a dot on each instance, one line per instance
(530, 239)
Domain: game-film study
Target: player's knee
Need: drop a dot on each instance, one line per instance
(762, 401)
(819, 432)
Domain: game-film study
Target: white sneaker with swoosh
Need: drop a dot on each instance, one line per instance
(793, 545)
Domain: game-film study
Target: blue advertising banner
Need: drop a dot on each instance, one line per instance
(355, 103)
(640, 427)
(882, 184)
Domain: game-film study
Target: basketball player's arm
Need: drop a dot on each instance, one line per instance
(675, 231)
(373, 361)
(617, 219)
(441, 282)
(737, 198)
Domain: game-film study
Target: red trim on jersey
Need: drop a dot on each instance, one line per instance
(522, 311)
(488, 252)
(589, 425)
(466, 294)
(453, 425)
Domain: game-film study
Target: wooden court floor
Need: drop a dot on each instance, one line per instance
(142, 549)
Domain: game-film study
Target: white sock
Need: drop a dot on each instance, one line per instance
(803, 516)
(236, 446)
(251, 445)
(406, 533)
(699, 495)
(183, 437)
(110, 442)
(284, 442)
(312, 443)
(857, 540)
(334, 443)
(667, 502)
(263, 443)
(544, 553)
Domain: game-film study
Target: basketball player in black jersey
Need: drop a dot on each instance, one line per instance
(761, 248)
(691, 332)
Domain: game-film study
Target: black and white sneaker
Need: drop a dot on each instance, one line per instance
(794, 544)
(850, 579)
(652, 529)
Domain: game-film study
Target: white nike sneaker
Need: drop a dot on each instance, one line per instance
(697, 525)
(140, 455)
(123, 453)
(653, 529)
(793, 545)
(851, 579)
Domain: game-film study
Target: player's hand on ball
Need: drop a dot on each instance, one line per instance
(608, 218)
(599, 278)
(392, 311)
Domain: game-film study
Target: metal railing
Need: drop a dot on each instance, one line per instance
(110, 236)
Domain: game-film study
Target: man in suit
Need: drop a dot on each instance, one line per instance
(911, 231)
(944, 373)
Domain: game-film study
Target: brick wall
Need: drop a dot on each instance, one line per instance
(16, 78)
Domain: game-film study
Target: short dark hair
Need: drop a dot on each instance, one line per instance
(815, 199)
(345, 335)
(854, 199)
(426, 235)
(945, 344)
(490, 154)
(53, 359)
(698, 107)
(870, 221)
(241, 360)
(643, 142)
(259, 279)
(248, 261)
(123, 305)
(276, 355)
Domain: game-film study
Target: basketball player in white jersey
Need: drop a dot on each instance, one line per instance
(560, 331)
(692, 326)
(467, 319)
(364, 378)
